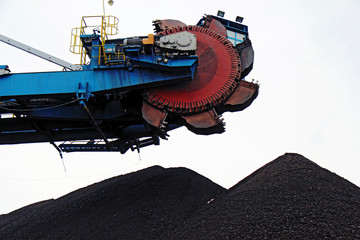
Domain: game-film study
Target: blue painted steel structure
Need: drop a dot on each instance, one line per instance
(140, 71)
(100, 79)
(96, 102)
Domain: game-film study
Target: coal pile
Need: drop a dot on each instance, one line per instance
(289, 198)
(138, 205)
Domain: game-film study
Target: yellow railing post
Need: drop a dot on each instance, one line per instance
(108, 26)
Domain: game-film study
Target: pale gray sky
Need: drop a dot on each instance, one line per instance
(306, 60)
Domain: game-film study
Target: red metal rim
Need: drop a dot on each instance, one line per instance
(215, 79)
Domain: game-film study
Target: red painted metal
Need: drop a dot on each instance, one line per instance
(216, 77)
(217, 27)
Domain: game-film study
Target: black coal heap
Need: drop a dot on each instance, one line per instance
(289, 198)
(138, 205)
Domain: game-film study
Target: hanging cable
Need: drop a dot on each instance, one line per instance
(39, 109)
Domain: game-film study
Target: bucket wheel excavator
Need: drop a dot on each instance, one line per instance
(128, 93)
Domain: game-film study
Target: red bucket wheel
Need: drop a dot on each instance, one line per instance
(215, 79)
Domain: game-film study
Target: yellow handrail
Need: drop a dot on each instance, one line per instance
(108, 25)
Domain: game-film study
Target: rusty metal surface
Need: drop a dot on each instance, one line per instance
(246, 53)
(244, 95)
(204, 120)
(216, 26)
(152, 115)
(163, 25)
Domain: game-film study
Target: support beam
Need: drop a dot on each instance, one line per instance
(96, 126)
(39, 53)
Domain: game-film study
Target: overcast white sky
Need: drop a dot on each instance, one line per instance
(307, 59)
